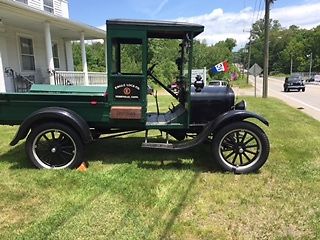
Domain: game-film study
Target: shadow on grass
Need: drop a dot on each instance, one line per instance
(179, 208)
(17, 157)
(128, 150)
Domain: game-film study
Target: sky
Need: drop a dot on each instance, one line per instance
(222, 19)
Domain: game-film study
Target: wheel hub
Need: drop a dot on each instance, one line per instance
(53, 150)
(240, 150)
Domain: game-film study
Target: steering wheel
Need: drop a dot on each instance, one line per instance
(150, 69)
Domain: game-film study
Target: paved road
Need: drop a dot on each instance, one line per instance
(308, 101)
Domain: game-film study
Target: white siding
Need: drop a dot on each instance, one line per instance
(36, 4)
(65, 8)
(60, 7)
(57, 7)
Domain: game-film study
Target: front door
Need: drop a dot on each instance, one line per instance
(127, 77)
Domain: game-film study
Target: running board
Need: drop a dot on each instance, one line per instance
(168, 146)
(200, 138)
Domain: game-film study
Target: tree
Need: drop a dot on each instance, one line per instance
(162, 52)
(95, 54)
(286, 44)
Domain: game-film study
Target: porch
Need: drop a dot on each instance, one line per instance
(36, 47)
(79, 78)
(23, 83)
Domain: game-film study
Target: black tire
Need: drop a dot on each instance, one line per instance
(240, 147)
(54, 146)
(303, 89)
(285, 90)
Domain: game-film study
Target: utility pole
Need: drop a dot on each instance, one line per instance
(249, 58)
(291, 63)
(310, 68)
(266, 48)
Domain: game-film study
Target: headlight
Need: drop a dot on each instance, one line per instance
(241, 105)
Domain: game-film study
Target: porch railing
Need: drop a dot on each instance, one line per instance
(77, 78)
(20, 83)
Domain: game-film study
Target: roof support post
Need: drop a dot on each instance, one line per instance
(2, 57)
(48, 41)
(84, 59)
(106, 54)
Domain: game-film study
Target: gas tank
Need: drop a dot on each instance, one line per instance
(210, 103)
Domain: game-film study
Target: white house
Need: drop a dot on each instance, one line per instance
(35, 45)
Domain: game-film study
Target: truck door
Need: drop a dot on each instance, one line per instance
(127, 77)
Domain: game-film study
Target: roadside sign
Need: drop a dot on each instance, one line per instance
(255, 70)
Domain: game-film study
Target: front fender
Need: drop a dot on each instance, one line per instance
(59, 114)
(233, 116)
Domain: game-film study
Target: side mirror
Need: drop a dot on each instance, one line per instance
(199, 83)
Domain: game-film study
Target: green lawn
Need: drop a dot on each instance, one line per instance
(241, 82)
(128, 194)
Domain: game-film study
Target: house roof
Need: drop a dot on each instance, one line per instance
(157, 29)
(20, 15)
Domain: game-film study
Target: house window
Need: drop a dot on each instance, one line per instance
(23, 1)
(27, 54)
(48, 6)
(55, 55)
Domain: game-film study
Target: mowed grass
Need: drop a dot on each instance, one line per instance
(241, 82)
(127, 193)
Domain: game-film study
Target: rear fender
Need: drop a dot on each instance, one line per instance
(56, 114)
(233, 116)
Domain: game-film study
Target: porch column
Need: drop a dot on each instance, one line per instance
(50, 63)
(106, 55)
(2, 74)
(84, 60)
(69, 56)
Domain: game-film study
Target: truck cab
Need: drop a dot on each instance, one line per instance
(127, 87)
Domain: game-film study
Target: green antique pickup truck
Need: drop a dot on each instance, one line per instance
(59, 120)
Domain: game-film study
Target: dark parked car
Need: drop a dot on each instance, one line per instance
(293, 82)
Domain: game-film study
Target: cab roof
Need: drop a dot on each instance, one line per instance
(157, 29)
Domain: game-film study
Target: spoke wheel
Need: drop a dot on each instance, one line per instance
(54, 145)
(241, 147)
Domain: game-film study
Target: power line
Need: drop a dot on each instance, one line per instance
(254, 11)
(259, 13)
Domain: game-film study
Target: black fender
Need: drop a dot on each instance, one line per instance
(56, 114)
(233, 116)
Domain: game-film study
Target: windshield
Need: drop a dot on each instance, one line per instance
(294, 79)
